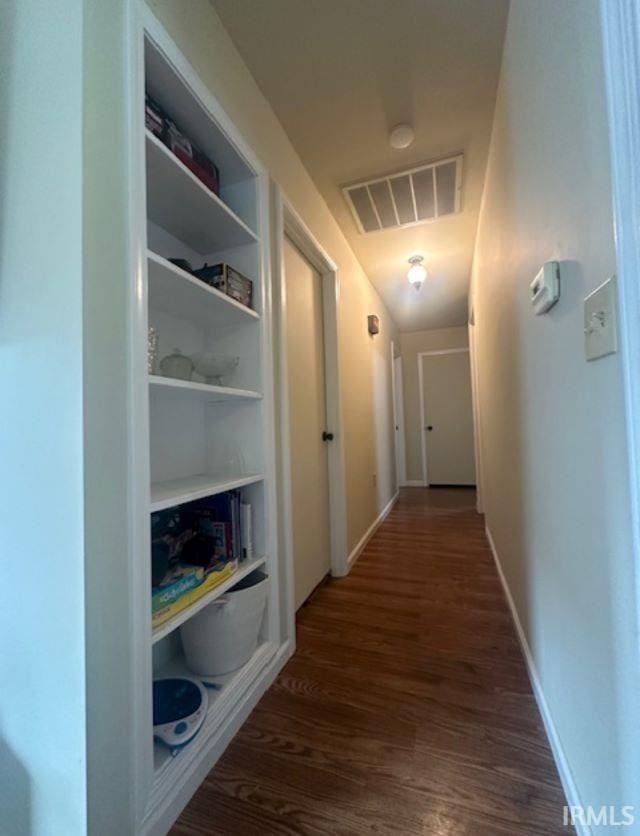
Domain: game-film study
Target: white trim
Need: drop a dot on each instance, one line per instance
(394, 417)
(415, 483)
(362, 542)
(621, 53)
(292, 225)
(398, 419)
(423, 440)
(475, 402)
(280, 302)
(138, 423)
(566, 777)
(461, 350)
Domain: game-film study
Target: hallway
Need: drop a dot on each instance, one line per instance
(406, 708)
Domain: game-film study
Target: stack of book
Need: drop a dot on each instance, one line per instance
(201, 545)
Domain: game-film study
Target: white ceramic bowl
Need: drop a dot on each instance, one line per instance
(216, 368)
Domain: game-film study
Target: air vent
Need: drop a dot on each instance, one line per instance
(411, 197)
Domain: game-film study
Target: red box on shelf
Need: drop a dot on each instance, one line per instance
(199, 164)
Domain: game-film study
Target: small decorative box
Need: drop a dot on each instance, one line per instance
(229, 281)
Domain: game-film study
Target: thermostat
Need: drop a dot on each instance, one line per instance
(545, 288)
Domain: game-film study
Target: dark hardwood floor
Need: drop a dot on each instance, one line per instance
(406, 708)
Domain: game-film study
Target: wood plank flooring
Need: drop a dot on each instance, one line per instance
(406, 708)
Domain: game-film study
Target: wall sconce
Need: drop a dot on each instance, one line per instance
(373, 323)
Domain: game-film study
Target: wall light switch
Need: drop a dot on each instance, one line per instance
(600, 321)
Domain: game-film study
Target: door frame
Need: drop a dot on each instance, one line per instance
(423, 439)
(398, 419)
(621, 59)
(475, 397)
(290, 224)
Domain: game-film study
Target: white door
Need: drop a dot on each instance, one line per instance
(307, 420)
(448, 419)
(398, 417)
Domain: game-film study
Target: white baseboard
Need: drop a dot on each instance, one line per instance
(355, 554)
(562, 764)
(414, 483)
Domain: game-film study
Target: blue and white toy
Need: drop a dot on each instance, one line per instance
(179, 708)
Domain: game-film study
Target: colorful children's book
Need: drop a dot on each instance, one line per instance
(215, 577)
(181, 580)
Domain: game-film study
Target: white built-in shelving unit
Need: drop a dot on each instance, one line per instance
(194, 439)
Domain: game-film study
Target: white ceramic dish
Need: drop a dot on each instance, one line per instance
(215, 368)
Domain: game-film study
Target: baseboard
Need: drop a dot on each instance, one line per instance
(355, 554)
(414, 483)
(562, 764)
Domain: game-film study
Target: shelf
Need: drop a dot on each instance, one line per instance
(179, 491)
(180, 294)
(185, 207)
(204, 392)
(172, 624)
(222, 699)
(169, 89)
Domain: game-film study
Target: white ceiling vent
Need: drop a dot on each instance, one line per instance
(411, 197)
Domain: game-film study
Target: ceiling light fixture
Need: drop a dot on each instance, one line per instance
(417, 273)
(401, 136)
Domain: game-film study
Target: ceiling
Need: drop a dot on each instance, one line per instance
(340, 74)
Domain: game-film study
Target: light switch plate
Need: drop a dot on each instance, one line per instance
(600, 321)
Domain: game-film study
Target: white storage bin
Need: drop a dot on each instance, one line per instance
(224, 636)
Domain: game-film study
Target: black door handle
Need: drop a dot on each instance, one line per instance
(429, 428)
(327, 436)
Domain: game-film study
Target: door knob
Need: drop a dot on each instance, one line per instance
(327, 436)
(429, 428)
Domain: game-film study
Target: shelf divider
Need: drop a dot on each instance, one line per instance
(177, 292)
(205, 392)
(178, 491)
(185, 207)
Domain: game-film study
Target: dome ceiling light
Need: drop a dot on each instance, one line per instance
(417, 273)
(401, 137)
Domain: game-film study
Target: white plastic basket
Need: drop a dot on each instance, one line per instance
(224, 636)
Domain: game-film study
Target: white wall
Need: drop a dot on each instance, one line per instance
(42, 650)
(412, 343)
(199, 33)
(64, 637)
(553, 440)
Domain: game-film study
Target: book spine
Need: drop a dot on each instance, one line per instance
(234, 525)
(246, 534)
(228, 531)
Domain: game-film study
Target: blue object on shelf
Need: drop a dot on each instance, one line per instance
(179, 708)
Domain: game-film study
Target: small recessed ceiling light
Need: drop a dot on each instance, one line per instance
(417, 273)
(401, 136)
